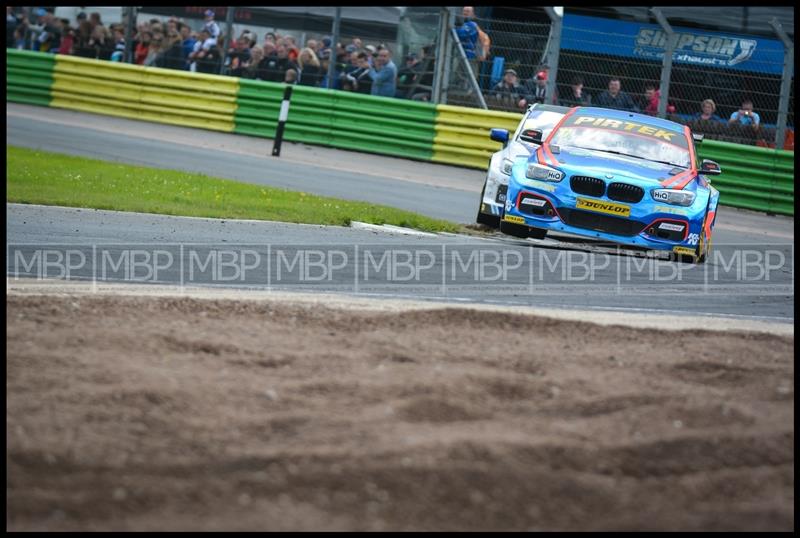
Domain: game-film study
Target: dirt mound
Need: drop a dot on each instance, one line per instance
(144, 413)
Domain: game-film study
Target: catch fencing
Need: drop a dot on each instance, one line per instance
(573, 50)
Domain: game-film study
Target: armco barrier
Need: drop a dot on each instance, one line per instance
(29, 77)
(338, 119)
(145, 93)
(361, 122)
(753, 177)
(258, 106)
(462, 134)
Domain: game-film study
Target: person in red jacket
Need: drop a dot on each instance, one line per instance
(142, 47)
(651, 98)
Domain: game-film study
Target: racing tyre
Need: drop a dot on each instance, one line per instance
(516, 230)
(492, 221)
(537, 233)
(704, 246)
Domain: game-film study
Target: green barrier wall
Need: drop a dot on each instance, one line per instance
(29, 77)
(362, 122)
(338, 119)
(258, 105)
(753, 177)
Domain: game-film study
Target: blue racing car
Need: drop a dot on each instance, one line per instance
(616, 176)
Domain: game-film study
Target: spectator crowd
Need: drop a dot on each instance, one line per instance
(368, 69)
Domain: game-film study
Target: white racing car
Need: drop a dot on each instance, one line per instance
(539, 117)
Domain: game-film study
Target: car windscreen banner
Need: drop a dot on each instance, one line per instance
(625, 126)
(695, 47)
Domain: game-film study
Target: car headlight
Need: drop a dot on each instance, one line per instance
(543, 173)
(674, 197)
(506, 166)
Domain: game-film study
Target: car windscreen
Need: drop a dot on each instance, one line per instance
(630, 138)
(542, 120)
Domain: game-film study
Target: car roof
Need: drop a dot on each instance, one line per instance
(548, 108)
(631, 116)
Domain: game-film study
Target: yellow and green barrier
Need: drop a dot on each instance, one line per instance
(124, 90)
(753, 177)
(462, 134)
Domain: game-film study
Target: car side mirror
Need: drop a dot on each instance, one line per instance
(531, 135)
(710, 168)
(499, 135)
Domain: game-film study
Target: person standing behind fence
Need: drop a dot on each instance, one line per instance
(67, 38)
(384, 75)
(535, 90)
(171, 56)
(142, 46)
(745, 115)
(575, 95)
(101, 43)
(468, 33)
(206, 53)
(276, 65)
(211, 25)
(188, 42)
(508, 92)
(359, 80)
(707, 111)
(250, 68)
(615, 98)
(11, 25)
(652, 96)
(407, 76)
(310, 72)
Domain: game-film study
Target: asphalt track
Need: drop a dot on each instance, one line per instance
(728, 286)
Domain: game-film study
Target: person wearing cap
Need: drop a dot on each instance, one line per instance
(508, 91)
(210, 24)
(535, 90)
(407, 76)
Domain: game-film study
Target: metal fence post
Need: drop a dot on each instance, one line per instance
(228, 34)
(439, 67)
(448, 57)
(786, 81)
(128, 57)
(666, 66)
(553, 50)
(337, 19)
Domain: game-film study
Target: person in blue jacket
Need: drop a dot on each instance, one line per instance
(384, 75)
(468, 32)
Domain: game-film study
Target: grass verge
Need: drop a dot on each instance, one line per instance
(43, 177)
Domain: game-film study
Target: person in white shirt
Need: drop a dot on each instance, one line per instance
(211, 25)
